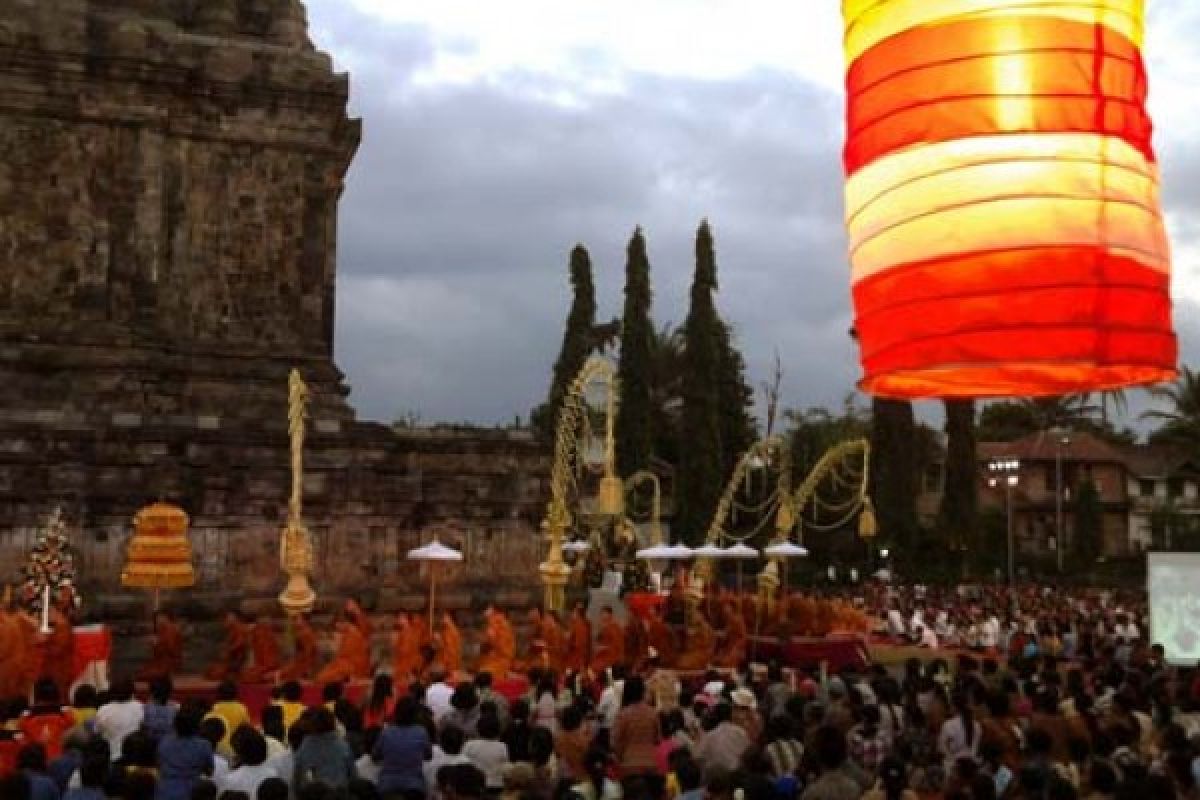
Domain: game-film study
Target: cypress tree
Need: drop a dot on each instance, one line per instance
(957, 516)
(735, 400)
(700, 475)
(635, 368)
(576, 343)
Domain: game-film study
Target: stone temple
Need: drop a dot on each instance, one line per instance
(170, 172)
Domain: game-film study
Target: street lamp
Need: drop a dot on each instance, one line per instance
(1062, 439)
(1005, 472)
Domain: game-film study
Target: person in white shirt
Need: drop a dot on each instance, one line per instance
(251, 750)
(895, 623)
(488, 753)
(610, 699)
(438, 695)
(446, 753)
(989, 633)
(118, 718)
(926, 637)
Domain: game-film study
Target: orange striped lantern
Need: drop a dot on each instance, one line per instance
(1002, 198)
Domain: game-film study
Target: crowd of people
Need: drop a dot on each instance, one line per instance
(1069, 701)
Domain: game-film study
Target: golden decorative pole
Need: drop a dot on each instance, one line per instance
(572, 420)
(296, 548)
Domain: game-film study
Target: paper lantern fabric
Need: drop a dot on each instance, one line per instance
(1002, 198)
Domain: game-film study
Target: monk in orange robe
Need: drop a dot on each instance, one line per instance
(166, 655)
(304, 657)
(406, 649)
(264, 649)
(59, 651)
(552, 635)
(698, 650)
(637, 643)
(234, 651)
(451, 645)
(579, 641)
(31, 660)
(662, 639)
(499, 645)
(733, 647)
(610, 643)
(352, 661)
(11, 657)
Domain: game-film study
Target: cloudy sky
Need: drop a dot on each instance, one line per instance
(499, 134)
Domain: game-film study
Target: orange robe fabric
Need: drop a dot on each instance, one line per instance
(499, 647)
(59, 650)
(11, 657)
(636, 644)
(352, 661)
(697, 654)
(304, 658)
(451, 648)
(265, 650)
(31, 661)
(579, 644)
(662, 639)
(610, 647)
(166, 656)
(233, 654)
(552, 640)
(733, 650)
(406, 653)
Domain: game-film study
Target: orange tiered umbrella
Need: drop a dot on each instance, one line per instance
(1002, 198)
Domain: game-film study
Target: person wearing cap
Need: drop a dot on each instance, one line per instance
(722, 747)
(745, 713)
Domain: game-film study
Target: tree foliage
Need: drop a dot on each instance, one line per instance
(635, 439)
(1089, 523)
(700, 474)
(1179, 418)
(894, 469)
(958, 514)
(576, 343)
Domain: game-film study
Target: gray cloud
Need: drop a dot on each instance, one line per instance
(464, 201)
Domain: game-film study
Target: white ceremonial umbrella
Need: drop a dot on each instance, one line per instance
(709, 551)
(435, 552)
(785, 550)
(740, 552)
(576, 546)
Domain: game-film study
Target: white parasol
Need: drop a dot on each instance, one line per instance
(435, 552)
(785, 550)
(576, 546)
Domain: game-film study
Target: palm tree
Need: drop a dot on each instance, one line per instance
(1060, 411)
(1180, 420)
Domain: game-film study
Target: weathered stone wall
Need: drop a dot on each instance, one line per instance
(170, 172)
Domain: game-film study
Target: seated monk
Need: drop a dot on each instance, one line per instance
(58, 648)
(610, 643)
(733, 647)
(662, 639)
(406, 650)
(11, 657)
(264, 652)
(304, 657)
(451, 645)
(552, 634)
(352, 660)
(698, 649)
(499, 646)
(579, 641)
(234, 651)
(166, 655)
(636, 643)
(31, 654)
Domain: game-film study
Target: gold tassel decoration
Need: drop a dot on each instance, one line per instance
(867, 526)
(611, 500)
(785, 518)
